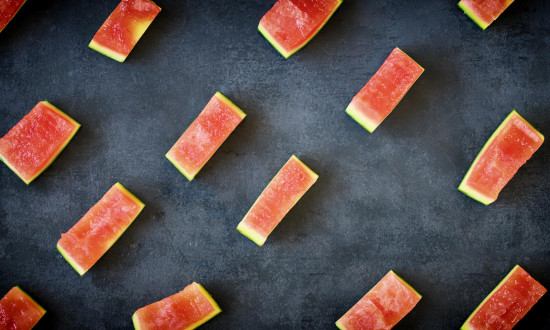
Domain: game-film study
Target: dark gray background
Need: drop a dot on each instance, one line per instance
(386, 200)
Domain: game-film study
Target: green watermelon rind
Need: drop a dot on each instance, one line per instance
(72, 262)
(463, 187)
(37, 305)
(119, 57)
(465, 326)
(249, 232)
(473, 17)
(61, 148)
(18, 9)
(341, 327)
(362, 119)
(216, 311)
(286, 54)
(222, 98)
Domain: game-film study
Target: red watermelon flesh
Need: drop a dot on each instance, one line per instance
(382, 307)
(508, 303)
(510, 146)
(34, 143)
(99, 228)
(280, 195)
(18, 311)
(384, 90)
(186, 309)
(205, 135)
(124, 27)
(8, 9)
(484, 12)
(291, 24)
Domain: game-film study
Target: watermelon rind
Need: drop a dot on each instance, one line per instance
(466, 326)
(54, 157)
(363, 120)
(1, 29)
(249, 232)
(32, 300)
(107, 52)
(463, 187)
(483, 25)
(72, 262)
(286, 54)
(406, 284)
(222, 98)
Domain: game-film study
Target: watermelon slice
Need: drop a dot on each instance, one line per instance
(510, 146)
(508, 303)
(382, 307)
(384, 90)
(19, 311)
(291, 24)
(123, 28)
(205, 135)
(36, 141)
(484, 12)
(99, 228)
(280, 195)
(8, 9)
(186, 309)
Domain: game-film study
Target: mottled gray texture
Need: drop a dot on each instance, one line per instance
(386, 200)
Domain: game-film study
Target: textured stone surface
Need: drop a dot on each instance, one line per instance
(386, 200)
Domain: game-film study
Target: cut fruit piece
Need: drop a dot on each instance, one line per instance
(36, 141)
(19, 311)
(8, 9)
(123, 28)
(205, 135)
(385, 89)
(280, 195)
(291, 24)
(508, 303)
(99, 228)
(484, 12)
(510, 146)
(382, 307)
(187, 309)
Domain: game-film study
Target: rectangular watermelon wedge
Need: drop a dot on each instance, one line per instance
(205, 135)
(291, 24)
(484, 12)
(8, 9)
(187, 309)
(19, 311)
(508, 303)
(280, 195)
(123, 28)
(36, 140)
(389, 301)
(99, 228)
(510, 146)
(384, 91)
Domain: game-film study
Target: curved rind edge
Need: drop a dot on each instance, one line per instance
(32, 300)
(222, 98)
(406, 284)
(209, 316)
(339, 326)
(463, 187)
(253, 235)
(360, 118)
(465, 326)
(135, 321)
(107, 52)
(281, 50)
(312, 174)
(130, 195)
(473, 17)
(18, 9)
(188, 176)
(71, 262)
